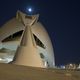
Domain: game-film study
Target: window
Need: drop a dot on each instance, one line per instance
(38, 42)
(42, 56)
(29, 17)
(13, 37)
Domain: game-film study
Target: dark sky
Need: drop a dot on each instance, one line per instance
(60, 18)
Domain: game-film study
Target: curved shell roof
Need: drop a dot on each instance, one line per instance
(13, 26)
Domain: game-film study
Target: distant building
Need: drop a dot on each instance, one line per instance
(71, 66)
(26, 37)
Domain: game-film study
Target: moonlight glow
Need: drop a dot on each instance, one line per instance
(30, 9)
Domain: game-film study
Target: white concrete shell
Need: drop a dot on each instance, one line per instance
(14, 25)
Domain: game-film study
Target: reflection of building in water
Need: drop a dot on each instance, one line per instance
(12, 37)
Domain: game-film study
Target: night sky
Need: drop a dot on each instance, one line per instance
(60, 18)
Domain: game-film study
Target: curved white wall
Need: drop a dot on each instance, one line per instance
(14, 26)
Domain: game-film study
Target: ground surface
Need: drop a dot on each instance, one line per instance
(14, 72)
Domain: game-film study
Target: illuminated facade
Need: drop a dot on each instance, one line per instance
(24, 41)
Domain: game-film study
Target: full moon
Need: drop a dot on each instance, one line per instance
(30, 9)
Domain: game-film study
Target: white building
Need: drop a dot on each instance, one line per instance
(26, 40)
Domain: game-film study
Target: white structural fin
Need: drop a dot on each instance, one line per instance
(27, 53)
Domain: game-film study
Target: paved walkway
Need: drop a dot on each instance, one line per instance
(14, 72)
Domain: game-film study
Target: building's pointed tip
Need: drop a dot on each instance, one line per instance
(20, 12)
(26, 19)
(36, 16)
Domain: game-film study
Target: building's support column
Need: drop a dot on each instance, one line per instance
(27, 53)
